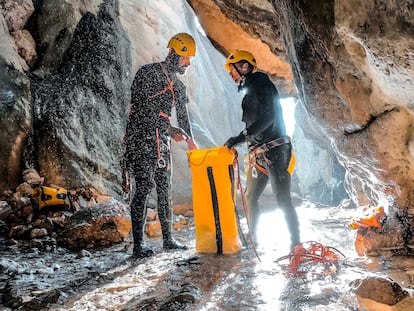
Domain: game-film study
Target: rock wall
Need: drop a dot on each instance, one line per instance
(352, 64)
(66, 108)
(15, 96)
(340, 63)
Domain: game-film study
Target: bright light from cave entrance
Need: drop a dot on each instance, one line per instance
(199, 27)
(272, 229)
(288, 106)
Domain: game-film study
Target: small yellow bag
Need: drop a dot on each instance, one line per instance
(214, 189)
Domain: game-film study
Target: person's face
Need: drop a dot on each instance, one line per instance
(183, 64)
(234, 73)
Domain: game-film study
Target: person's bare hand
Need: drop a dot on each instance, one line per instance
(191, 144)
(176, 133)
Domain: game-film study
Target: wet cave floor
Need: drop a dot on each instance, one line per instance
(186, 280)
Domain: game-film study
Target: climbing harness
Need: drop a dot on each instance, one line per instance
(169, 87)
(163, 148)
(265, 147)
(310, 258)
(271, 144)
(255, 166)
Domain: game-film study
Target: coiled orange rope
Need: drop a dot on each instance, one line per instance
(311, 257)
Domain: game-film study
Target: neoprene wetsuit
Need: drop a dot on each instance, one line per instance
(155, 90)
(262, 114)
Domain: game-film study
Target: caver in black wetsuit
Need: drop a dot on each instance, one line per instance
(262, 114)
(155, 90)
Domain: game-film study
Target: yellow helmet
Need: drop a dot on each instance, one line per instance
(239, 55)
(183, 44)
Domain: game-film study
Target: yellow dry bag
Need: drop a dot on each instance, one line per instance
(214, 189)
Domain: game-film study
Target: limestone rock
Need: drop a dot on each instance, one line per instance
(16, 13)
(183, 209)
(153, 228)
(5, 210)
(32, 177)
(25, 189)
(381, 290)
(371, 241)
(26, 46)
(38, 233)
(19, 232)
(151, 214)
(100, 225)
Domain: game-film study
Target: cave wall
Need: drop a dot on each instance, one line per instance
(353, 70)
(341, 58)
(67, 93)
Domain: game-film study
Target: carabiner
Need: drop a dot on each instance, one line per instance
(254, 171)
(161, 162)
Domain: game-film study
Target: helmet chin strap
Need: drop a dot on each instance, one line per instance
(240, 86)
(242, 78)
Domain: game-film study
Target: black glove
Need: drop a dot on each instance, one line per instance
(233, 141)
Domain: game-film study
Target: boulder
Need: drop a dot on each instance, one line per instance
(100, 225)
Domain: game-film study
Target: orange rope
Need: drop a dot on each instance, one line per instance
(240, 188)
(308, 254)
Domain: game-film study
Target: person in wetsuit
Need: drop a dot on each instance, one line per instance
(155, 92)
(270, 149)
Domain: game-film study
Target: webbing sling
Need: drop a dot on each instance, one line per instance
(214, 200)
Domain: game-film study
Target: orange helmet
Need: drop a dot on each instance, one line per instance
(183, 44)
(239, 55)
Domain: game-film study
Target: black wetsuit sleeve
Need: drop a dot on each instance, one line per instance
(181, 110)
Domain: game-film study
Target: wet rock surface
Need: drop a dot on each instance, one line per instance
(97, 226)
(109, 279)
(381, 290)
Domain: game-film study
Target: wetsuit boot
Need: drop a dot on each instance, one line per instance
(139, 251)
(138, 216)
(164, 215)
(164, 210)
(172, 244)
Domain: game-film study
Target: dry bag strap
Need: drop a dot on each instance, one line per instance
(216, 211)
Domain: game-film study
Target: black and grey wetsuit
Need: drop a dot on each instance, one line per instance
(154, 92)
